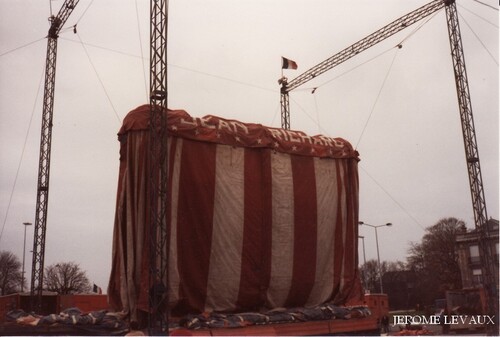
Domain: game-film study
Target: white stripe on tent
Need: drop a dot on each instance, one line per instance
(227, 232)
(327, 198)
(282, 250)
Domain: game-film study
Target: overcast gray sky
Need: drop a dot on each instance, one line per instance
(398, 107)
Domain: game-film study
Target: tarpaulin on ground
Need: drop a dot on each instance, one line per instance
(293, 315)
(68, 322)
(258, 217)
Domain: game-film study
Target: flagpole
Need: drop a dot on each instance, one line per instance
(282, 67)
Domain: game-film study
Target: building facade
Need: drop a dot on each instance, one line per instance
(469, 255)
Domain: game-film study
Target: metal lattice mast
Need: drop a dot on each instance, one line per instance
(369, 41)
(44, 156)
(159, 234)
(466, 117)
(285, 105)
(472, 155)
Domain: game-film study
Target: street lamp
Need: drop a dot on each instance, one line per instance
(378, 253)
(26, 224)
(363, 271)
(364, 255)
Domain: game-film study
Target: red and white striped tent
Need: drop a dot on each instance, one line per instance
(259, 217)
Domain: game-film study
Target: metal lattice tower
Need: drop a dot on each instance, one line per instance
(42, 199)
(472, 158)
(466, 117)
(159, 233)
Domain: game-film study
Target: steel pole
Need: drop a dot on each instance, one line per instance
(26, 224)
(378, 251)
(364, 254)
(379, 266)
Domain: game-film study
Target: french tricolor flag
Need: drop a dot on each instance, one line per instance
(287, 63)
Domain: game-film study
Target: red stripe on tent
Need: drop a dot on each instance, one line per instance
(267, 223)
(255, 264)
(339, 242)
(114, 286)
(172, 147)
(171, 258)
(348, 266)
(352, 281)
(173, 185)
(252, 232)
(305, 230)
(195, 215)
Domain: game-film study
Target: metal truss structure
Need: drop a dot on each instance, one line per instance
(42, 199)
(472, 159)
(158, 179)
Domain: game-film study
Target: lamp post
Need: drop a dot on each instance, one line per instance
(26, 224)
(378, 253)
(364, 255)
(363, 271)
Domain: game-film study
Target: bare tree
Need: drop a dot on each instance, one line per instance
(370, 276)
(435, 261)
(66, 278)
(10, 273)
(370, 273)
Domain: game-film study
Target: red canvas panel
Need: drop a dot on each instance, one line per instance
(338, 254)
(255, 267)
(259, 217)
(305, 228)
(194, 220)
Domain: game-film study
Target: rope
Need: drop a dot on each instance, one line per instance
(142, 53)
(99, 78)
(84, 12)
(376, 100)
(487, 5)
(20, 47)
(225, 79)
(22, 155)
(320, 128)
(176, 66)
(317, 111)
(276, 110)
(480, 41)
(479, 16)
(392, 198)
(100, 47)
